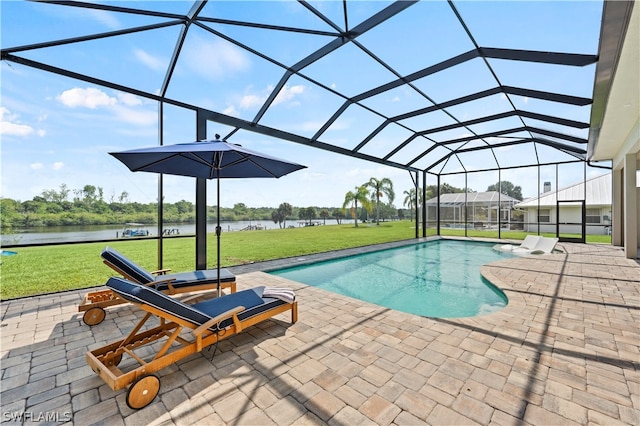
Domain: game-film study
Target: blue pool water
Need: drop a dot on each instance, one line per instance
(436, 279)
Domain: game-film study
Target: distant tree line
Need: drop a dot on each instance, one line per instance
(372, 201)
(87, 206)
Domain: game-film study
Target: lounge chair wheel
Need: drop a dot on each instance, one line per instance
(114, 361)
(93, 316)
(143, 391)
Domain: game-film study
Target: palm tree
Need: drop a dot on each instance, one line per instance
(308, 213)
(277, 217)
(410, 199)
(380, 188)
(324, 214)
(362, 195)
(285, 210)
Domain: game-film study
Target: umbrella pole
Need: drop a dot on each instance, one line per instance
(218, 232)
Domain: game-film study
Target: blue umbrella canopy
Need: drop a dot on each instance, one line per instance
(205, 159)
(209, 160)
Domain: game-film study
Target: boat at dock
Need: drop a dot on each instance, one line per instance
(132, 230)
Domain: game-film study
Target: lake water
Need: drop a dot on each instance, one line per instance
(65, 234)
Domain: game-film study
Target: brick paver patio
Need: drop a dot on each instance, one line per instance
(566, 350)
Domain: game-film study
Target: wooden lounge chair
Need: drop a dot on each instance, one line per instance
(185, 329)
(94, 302)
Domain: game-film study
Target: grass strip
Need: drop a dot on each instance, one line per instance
(48, 269)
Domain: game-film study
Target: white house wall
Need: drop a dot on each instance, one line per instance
(568, 214)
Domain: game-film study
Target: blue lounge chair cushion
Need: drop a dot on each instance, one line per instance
(180, 279)
(128, 267)
(198, 313)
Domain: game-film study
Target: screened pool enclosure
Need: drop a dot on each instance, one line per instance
(452, 92)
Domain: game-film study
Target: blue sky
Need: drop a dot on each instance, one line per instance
(57, 130)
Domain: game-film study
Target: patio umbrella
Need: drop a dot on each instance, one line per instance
(209, 160)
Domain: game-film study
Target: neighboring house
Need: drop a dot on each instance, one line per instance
(543, 209)
(482, 208)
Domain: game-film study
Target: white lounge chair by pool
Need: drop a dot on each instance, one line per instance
(527, 244)
(544, 246)
(532, 244)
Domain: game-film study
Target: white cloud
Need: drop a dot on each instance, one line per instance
(57, 165)
(105, 18)
(287, 93)
(36, 166)
(249, 101)
(10, 125)
(5, 112)
(340, 124)
(215, 60)
(150, 61)
(123, 105)
(129, 99)
(230, 110)
(89, 98)
(8, 128)
(137, 117)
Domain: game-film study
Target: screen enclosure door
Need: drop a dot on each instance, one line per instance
(571, 218)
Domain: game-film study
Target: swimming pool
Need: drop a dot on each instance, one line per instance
(438, 278)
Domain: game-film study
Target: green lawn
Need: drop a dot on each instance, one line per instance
(47, 269)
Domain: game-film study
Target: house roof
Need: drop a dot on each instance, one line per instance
(598, 192)
(613, 117)
(484, 198)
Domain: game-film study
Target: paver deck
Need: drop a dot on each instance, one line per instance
(566, 350)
